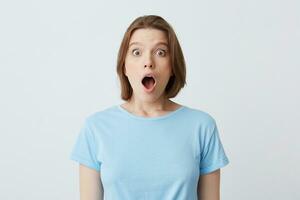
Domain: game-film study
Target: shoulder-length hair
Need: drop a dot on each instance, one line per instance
(178, 79)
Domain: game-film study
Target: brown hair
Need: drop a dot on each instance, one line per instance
(178, 80)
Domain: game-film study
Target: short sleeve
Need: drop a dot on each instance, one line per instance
(85, 149)
(212, 156)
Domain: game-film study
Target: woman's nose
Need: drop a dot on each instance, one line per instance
(148, 62)
(148, 65)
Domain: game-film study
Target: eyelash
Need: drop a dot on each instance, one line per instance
(165, 52)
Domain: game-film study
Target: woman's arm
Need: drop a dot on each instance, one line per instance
(90, 184)
(209, 186)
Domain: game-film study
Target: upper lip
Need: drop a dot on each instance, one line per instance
(149, 75)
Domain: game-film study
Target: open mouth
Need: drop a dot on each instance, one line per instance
(149, 82)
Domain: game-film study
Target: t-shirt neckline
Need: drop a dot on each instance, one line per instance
(150, 118)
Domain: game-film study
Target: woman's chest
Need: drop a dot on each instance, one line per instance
(148, 157)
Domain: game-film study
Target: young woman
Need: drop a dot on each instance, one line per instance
(150, 148)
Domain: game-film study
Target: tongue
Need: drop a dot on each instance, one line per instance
(148, 83)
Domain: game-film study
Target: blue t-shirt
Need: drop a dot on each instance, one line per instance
(156, 158)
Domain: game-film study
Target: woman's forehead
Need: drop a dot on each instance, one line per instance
(158, 43)
(153, 36)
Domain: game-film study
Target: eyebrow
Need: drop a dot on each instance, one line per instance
(158, 43)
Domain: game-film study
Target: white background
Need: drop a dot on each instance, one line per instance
(58, 65)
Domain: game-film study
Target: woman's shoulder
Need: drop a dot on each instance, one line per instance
(200, 114)
(100, 114)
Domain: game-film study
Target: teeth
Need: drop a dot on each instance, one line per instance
(149, 75)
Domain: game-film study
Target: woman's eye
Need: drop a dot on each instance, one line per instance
(161, 52)
(135, 52)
